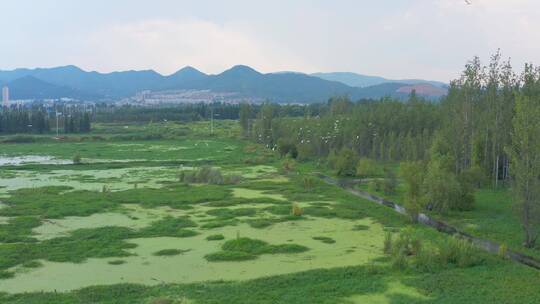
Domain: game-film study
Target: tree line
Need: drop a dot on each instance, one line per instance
(485, 132)
(37, 120)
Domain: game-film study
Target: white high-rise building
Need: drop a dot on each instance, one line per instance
(5, 96)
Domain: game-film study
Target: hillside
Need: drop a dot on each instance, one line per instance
(287, 87)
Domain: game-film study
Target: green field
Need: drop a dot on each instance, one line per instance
(127, 226)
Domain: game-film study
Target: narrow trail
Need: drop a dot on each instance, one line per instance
(486, 245)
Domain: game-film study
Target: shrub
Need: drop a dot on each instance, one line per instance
(503, 249)
(387, 248)
(32, 264)
(366, 167)
(458, 252)
(222, 256)
(346, 162)
(241, 249)
(215, 237)
(390, 182)
(427, 260)
(204, 175)
(287, 147)
(399, 261)
(413, 175)
(77, 160)
(170, 252)
(324, 239)
(441, 187)
(374, 186)
(288, 165)
(296, 210)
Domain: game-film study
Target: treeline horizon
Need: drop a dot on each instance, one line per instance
(486, 131)
(37, 120)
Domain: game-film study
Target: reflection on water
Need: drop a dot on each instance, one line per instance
(31, 159)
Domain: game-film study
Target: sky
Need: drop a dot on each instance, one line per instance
(428, 39)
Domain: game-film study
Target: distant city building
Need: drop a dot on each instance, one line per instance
(5, 96)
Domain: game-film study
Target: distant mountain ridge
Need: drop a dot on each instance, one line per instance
(73, 82)
(361, 81)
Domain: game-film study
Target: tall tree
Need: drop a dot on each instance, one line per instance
(525, 166)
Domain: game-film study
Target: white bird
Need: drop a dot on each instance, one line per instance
(468, 2)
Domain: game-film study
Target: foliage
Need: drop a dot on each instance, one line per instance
(215, 237)
(366, 167)
(247, 249)
(413, 175)
(346, 162)
(296, 210)
(286, 147)
(170, 252)
(525, 156)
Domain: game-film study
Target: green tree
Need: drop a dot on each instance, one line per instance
(413, 174)
(244, 116)
(525, 166)
(346, 162)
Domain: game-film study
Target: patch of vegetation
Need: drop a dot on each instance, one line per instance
(219, 223)
(215, 237)
(116, 262)
(32, 264)
(409, 252)
(360, 227)
(229, 256)
(80, 245)
(324, 239)
(170, 252)
(169, 226)
(6, 274)
(226, 213)
(246, 249)
(18, 229)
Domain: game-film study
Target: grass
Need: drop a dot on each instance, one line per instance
(170, 252)
(169, 226)
(242, 249)
(492, 281)
(324, 239)
(215, 237)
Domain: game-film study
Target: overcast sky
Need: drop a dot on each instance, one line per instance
(429, 39)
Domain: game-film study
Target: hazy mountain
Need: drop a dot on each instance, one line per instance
(29, 87)
(359, 80)
(71, 81)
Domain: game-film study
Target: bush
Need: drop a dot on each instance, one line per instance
(287, 147)
(366, 167)
(399, 261)
(346, 162)
(441, 187)
(204, 175)
(503, 250)
(390, 182)
(452, 251)
(458, 252)
(288, 165)
(77, 160)
(170, 252)
(215, 237)
(413, 175)
(427, 260)
(387, 248)
(296, 210)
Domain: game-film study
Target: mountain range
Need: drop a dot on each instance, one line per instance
(73, 82)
